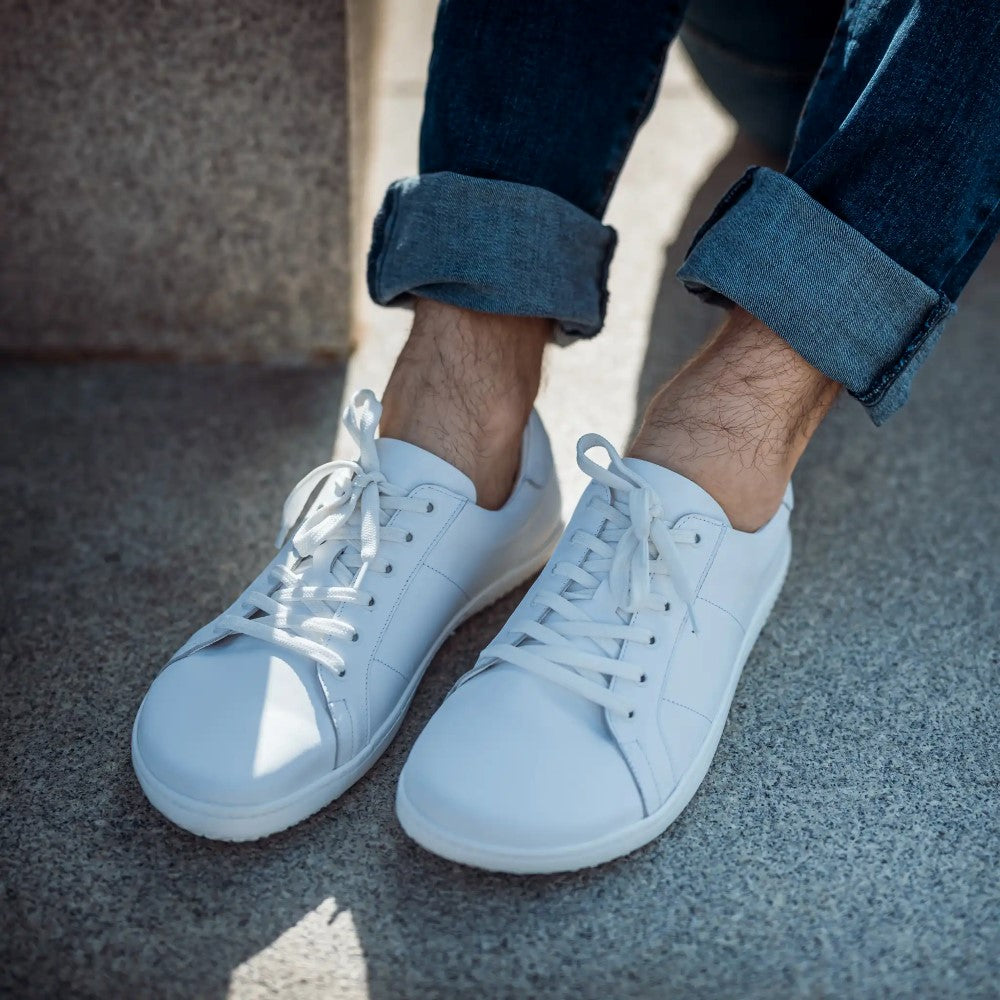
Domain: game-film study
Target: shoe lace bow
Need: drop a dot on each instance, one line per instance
(329, 554)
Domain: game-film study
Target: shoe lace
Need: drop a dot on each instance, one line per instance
(330, 552)
(564, 643)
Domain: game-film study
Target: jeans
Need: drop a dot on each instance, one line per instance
(759, 59)
(855, 254)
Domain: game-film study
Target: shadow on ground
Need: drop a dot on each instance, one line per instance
(845, 842)
(680, 322)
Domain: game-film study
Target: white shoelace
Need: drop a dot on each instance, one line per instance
(331, 551)
(634, 545)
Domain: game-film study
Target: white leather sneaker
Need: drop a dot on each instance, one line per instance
(285, 700)
(589, 722)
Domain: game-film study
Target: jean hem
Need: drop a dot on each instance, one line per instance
(492, 246)
(843, 304)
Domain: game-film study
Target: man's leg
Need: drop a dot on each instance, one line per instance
(854, 258)
(588, 724)
(898, 141)
(737, 418)
(499, 239)
(462, 388)
(856, 255)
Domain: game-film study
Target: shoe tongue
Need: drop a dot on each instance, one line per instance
(678, 495)
(407, 466)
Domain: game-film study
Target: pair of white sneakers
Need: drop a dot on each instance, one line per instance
(581, 732)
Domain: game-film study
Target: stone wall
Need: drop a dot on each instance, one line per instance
(176, 177)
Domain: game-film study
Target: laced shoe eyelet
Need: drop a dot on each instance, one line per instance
(409, 536)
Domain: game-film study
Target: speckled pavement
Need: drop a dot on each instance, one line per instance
(845, 843)
(175, 178)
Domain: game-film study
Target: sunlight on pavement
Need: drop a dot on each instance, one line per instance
(321, 955)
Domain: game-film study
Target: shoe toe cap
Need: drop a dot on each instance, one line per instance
(238, 723)
(512, 763)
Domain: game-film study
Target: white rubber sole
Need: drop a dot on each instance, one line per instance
(572, 857)
(241, 823)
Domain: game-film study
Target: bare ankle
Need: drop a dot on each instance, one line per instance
(463, 387)
(737, 418)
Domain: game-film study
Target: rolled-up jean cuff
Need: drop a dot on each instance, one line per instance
(845, 306)
(493, 246)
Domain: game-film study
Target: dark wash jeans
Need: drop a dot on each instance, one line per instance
(854, 255)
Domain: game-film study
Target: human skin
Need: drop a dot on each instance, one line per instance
(463, 387)
(735, 419)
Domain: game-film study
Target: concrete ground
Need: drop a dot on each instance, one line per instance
(845, 843)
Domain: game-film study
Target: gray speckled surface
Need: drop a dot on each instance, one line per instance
(844, 844)
(175, 178)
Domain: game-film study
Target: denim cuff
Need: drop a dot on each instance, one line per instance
(493, 246)
(845, 306)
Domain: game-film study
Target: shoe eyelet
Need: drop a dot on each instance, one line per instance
(697, 539)
(631, 714)
(666, 607)
(652, 640)
(430, 508)
(371, 602)
(409, 536)
(642, 678)
(388, 569)
(354, 638)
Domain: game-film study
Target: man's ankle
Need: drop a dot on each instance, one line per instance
(463, 387)
(737, 418)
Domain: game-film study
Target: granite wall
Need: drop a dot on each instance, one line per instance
(176, 177)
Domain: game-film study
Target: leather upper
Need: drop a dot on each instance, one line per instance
(514, 761)
(238, 720)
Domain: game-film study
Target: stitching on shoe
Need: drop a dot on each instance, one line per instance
(693, 711)
(635, 761)
(725, 611)
(389, 666)
(652, 770)
(406, 586)
(710, 562)
(355, 735)
(434, 569)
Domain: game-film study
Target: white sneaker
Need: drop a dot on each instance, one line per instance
(285, 700)
(589, 722)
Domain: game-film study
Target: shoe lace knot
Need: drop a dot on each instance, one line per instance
(328, 555)
(644, 535)
(358, 485)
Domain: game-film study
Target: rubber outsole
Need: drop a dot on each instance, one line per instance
(244, 823)
(617, 843)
